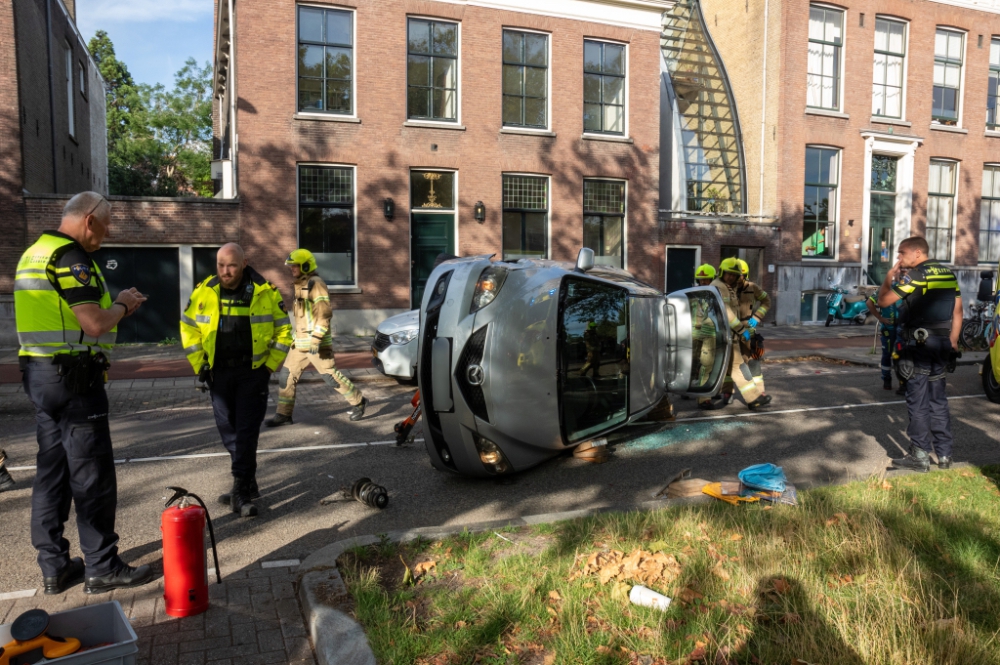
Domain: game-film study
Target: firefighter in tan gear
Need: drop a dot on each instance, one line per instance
(704, 334)
(739, 371)
(311, 314)
(754, 304)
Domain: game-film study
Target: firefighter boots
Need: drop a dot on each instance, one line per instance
(278, 420)
(358, 412)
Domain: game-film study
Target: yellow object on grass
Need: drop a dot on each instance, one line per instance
(715, 490)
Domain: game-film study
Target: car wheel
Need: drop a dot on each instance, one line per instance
(990, 383)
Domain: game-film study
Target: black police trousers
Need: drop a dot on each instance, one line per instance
(926, 402)
(75, 463)
(239, 400)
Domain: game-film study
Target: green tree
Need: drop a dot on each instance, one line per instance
(159, 141)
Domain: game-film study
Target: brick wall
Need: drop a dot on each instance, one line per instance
(272, 141)
(11, 173)
(149, 220)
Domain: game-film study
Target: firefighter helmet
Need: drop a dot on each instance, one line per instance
(730, 265)
(302, 258)
(744, 267)
(705, 271)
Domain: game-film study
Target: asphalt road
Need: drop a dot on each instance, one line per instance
(323, 452)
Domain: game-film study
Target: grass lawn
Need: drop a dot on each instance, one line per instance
(905, 572)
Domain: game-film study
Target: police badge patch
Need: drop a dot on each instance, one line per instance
(82, 273)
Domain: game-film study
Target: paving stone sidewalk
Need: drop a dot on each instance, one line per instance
(254, 618)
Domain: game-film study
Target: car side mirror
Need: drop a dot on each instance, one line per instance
(585, 259)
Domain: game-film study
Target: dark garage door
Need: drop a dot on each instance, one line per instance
(155, 272)
(204, 263)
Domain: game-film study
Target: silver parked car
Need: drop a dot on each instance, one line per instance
(394, 352)
(519, 361)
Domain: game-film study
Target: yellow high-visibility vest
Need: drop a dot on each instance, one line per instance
(46, 324)
(270, 326)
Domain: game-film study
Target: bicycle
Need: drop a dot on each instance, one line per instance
(973, 334)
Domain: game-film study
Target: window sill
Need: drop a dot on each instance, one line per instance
(343, 289)
(828, 114)
(323, 117)
(434, 125)
(948, 128)
(528, 132)
(818, 259)
(890, 121)
(606, 137)
(992, 132)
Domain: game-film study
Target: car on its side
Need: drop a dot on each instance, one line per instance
(522, 360)
(394, 351)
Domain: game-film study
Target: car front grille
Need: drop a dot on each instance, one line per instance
(473, 355)
(382, 342)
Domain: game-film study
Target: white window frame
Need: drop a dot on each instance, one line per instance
(666, 259)
(987, 165)
(954, 207)
(548, 84)
(840, 184)
(342, 288)
(906, 64)
(840, 62)
(961, 77)
(993, 66)
(624, 216)
(325, 115)
(410, 210)
(70, 91)
(625, 109)
(457, 122)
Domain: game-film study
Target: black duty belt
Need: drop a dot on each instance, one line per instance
(230, 363)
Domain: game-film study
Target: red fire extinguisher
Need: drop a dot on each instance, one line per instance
(185, 573)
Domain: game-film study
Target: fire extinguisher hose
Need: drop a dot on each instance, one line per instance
(179, 493)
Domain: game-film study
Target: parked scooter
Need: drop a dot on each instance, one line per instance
(840, 305)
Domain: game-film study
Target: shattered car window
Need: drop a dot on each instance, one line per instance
(709, 339)
(593, 357)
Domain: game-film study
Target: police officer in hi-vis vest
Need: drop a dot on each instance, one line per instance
(236, 332)
(66, 327)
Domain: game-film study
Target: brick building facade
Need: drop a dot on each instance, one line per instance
(865, 122)
(322, 123)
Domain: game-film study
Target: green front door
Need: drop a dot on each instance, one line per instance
(882, 222)
(431, 234)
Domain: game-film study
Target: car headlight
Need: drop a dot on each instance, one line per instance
(490, 455)
(490, 282)
(403, 336)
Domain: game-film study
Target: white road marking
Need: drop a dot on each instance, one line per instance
(283, 563)
(755, 414)
(260, 451)
(14, 595)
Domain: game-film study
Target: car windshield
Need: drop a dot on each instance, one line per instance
(593, 357)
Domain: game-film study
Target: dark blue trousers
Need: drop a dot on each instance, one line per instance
(239, 400)
(926, 402)
(75, 463)
(888, 342)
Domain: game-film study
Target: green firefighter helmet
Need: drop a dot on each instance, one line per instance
(732, 264)
(704, 271)
(302, 258)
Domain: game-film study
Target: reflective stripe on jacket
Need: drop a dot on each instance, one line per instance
(269, 324)
(46, 324)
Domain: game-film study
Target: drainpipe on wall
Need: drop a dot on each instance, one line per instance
(52, 94)
(763, 115)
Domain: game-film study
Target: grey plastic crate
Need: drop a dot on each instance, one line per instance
(92, 624)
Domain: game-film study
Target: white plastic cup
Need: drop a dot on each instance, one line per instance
(640, 595)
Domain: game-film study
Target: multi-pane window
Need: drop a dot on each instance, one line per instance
(603, 87)
(70, 93)
(940, 209)
(326, 60)
(431, 70)
(525, 79)
(525, 217)
(989, 217)
(826, 37)
(604, 220)
(819, 224)
(326, 220)
(887, 83)
(993, 87)
(948, 47)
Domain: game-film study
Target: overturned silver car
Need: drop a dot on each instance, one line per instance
(519, 361)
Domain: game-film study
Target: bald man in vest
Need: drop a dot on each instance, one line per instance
(66, 326)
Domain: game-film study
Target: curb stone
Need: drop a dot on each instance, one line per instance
(340, 640)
